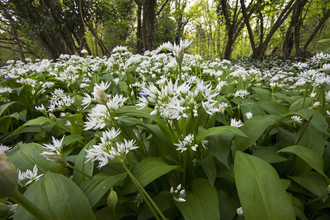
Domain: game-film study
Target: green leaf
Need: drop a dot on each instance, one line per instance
(297, 105)
(58, 197)
(253, 128)
(228, 130)
(132, 111)
(298, 208)
(262, 94)
(228, 204)
(312, 181)
(219, 146)
(209, 168)
(25, 156)
(312, 139)
(318, 120)
(81, 164)
(273, 108)
(268, 154)
(71, 139)
(34, 122)
(323, 41)
(164, 201)
(260, 190)
(147, 171)
(3, 107)
(312, 158)
(201, 203)
(101, 183)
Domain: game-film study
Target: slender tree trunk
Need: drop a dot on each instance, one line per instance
(316, 29)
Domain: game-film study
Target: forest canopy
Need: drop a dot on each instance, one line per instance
(223, 29)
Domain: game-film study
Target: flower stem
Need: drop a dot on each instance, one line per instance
(79, 171)
(144, 194)
(28, 206)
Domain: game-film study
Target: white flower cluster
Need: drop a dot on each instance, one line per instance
(55, 153)
(110, 150)
(178, 194)
(188, 141)
(28, 177)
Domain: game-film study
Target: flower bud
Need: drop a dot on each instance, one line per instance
(328, 189)
(240, 211)
(8, 176)
(52, 116)
(55, 158)
(100, 95)
(112, 199)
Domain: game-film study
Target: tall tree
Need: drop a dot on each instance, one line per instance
(260, 49)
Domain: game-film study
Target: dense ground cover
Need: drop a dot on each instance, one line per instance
(137, 136)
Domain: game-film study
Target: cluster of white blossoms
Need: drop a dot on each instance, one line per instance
(103, 114)
(59, 101)
(173, 101)
(28, 177)
(5, 148)
(108, 149)
(178, 194)
(188, 141)
(55, 152)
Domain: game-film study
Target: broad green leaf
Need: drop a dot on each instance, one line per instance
(71, 139)
(5, 124)
(201, 203)
(297, 105)
(273, 107)
(3, 107)
(312, 181)
(228, 204)
(298, 208)
(228, 130)
(132, 111)
(252, 107)
(312, 139)
(309, 156)
(318, 120)
(260, 190)
(165, 147)
(82, 165)
(25, 156)
(58, 197)
(253, 128)
(147, 171)
(262, 94)
(268, 154)
(164, 201)
(289, 99)
(101, 183)
(209, 168)
(219, 146)
(33, 122)
(19, 115)
(106, 213)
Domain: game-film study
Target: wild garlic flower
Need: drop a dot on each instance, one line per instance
(138, 200)
(6, 90)
(297, 119)
(222, 107)
(59, 101)
(236, 122)
(248, 115)
(5, 148)
(178, 193)
(55, 153)
(178, 50)
(241, 93)
(110, 150)
(240, 211)
(104, 115)
(188, 141)
(28, 177)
